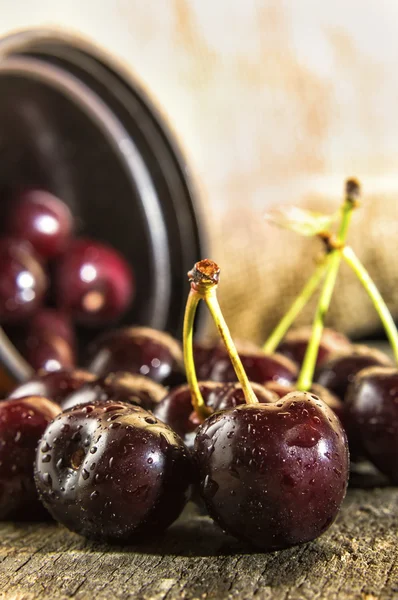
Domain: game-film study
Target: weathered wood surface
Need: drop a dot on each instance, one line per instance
(357, 558)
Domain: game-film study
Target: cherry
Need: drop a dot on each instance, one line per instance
(119, 387)
(295, 342)
(273, 475)
(112, 472)
(23, 282)
(50, 341)
(139, 350)
(259, 367)
(93, 282)
(22, 422)
(372, 404)
(176, 407)
(42, 219)
(56, 385)
(339, 371)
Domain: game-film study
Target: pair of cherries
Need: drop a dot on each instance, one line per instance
(91, 284)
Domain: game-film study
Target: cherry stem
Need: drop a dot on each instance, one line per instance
(204, 280)
(385, 316)
(308, 368)
(295, 309)
(198, 402)
(215, 311)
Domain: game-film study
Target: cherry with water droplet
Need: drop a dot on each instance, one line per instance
(22, 422)
(273, 475)
(115, 473)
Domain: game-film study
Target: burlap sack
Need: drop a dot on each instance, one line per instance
(263, 268)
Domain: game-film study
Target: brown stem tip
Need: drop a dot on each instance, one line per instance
(352, 189)
(204, 273)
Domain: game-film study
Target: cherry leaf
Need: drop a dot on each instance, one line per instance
(302, 221)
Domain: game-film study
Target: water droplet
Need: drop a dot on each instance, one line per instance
(46, 458)
(150, 461)
(303, 436)
(60, 463)
(94, 494)
(210, 487)
(47, 480)
(150, 420)
(316, 419)
(17, 436)
(93, 450)
(85, 474)
(110, 462)
(45, 447)
(114, 425)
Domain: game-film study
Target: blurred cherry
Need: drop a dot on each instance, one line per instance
(42, 219)
(93, 282)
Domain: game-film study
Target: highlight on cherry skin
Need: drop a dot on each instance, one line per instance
(273, 475)
(113, 472)
(22, 422)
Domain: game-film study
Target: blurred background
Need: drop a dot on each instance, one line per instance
(272, 103)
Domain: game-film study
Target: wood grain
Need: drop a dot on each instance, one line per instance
(357, 558)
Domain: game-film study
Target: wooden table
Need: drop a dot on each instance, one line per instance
(356, 558)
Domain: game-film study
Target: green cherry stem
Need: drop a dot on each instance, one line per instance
(385, 316)
(215, 311)
(198, 402)
(295, 309)
(307, 371)
(204, 279)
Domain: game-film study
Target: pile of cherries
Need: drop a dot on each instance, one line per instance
(50, 280)
(115, 451)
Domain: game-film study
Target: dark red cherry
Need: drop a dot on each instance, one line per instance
(273, 475)
(50, 341)
(139, 350)
(259, 367)
(372, 404)
(23, 282)
(295, 342)
(22, 422)
(93, 282)
(176, 408)
(112, 472)
(42, 219)
(118, 387)
(339, 371)
(207, 353)
(56, 385)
